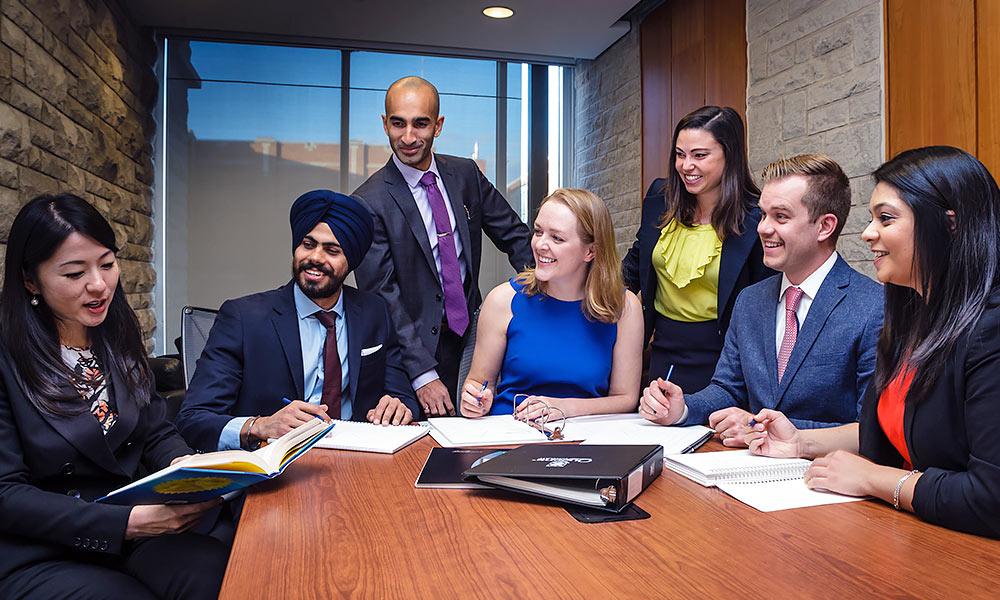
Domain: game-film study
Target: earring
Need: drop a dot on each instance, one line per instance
(34, 300)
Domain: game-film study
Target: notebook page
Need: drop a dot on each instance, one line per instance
(709, 468)
(368, 437)
(631, 429)
(782, 495)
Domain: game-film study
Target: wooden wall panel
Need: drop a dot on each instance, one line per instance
(931, 74)
(726, 54)
(687, 68)
(692, 54)
(657, 121)
(988, 67)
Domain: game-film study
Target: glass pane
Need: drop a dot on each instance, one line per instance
(377, 70)
(238, 153)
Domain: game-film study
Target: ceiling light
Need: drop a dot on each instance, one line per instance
(498, 12)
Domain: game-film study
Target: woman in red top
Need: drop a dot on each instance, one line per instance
(925, 439)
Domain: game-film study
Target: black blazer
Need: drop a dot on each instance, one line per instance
(400, 266)
(253, 359)
(53, 467)
(951, 434)
(741, 264)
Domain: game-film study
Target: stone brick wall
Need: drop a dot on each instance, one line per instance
(608, 137)
(815, 85)
(77, 93)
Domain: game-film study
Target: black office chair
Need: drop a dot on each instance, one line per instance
(195, 325)
(466, 363)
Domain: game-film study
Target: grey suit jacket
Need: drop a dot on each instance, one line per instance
(829, 368)
(400, 266)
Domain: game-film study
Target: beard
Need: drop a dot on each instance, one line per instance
(314, 290)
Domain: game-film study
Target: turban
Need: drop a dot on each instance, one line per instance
(347, 218)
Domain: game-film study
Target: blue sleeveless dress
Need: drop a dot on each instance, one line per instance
(553, 350)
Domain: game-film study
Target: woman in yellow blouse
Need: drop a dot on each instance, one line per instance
(697, 246)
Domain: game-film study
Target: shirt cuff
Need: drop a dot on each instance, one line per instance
(424, 378)
(229, 439)
(684, 416)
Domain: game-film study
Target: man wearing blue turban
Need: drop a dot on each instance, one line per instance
(313, 347)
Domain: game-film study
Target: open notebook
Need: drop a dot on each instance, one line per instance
(767, 484)
(368, 437)
(493, 430)
(633, 430)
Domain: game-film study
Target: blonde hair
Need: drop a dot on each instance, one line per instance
(604, 289)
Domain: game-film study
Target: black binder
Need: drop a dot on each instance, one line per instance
(602, 477)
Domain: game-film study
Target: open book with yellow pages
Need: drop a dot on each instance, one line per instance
(202, 477)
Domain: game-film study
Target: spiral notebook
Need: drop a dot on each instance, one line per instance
(368, 437)
(767, 484)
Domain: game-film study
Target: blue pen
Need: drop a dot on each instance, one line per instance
(287, 401)
(670, 372)
(480, 398)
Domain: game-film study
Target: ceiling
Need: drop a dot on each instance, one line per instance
(552, 30)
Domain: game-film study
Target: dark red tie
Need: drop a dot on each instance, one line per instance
(456, 311)
(331, 365)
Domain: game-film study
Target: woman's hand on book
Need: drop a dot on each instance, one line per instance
(390, 411)
(476, 401)
(845, 473)
(160, 519)
(288, 418)
(772, 434)
(662, 402)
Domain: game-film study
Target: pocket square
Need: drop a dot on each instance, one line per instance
(372, 350)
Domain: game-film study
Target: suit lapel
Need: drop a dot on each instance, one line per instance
(353, 315)
(84, 433)
(286, 325)
(831, 293)
(735, 250)
(456, 192)
(400, 192)
(767, 333)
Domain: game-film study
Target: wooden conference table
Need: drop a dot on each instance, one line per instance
(342, 524)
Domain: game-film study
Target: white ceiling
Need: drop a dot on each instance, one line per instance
(563, 29)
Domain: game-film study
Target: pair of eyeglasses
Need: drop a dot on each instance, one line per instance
(551, 421)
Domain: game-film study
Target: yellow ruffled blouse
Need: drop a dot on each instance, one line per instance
(686, 261)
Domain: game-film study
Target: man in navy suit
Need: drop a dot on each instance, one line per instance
(311, 348)
(802, 342)
(431, 211)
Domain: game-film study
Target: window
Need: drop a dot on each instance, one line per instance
(247, 128)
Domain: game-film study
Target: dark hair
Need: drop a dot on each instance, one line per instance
(828, 191)
(739, 192)
(30, 333)
(957, 265)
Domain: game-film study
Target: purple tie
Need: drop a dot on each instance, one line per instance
(455, 309)
(332, 375)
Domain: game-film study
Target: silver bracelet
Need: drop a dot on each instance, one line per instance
(899, 486)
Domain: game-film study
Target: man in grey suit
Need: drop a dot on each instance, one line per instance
(430, 212)
(802, 342)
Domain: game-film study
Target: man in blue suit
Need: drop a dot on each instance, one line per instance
(802, 342)
(328, 347)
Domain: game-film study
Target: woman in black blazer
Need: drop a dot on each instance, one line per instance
(689, 274)
(926, 440)
(78, 419)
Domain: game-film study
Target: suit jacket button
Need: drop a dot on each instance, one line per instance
(438, 297)
(434, 330)
(74, 493)
(76, 542)
(104, 546)
(68, 468)
(129, 444)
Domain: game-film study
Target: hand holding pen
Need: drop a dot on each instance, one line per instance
(477, 399)
(662, 402)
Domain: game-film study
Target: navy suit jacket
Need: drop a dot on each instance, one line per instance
(951, 434)
(253, 359)
(830, 364)
(52, 468)
(400, 265)
(741, 263)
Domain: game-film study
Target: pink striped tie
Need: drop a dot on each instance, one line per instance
(792, 297)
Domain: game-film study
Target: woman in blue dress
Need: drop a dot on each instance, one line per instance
(567, 332)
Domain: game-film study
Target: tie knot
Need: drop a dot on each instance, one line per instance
(428, 179)
(792, 297)
(328, 319)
